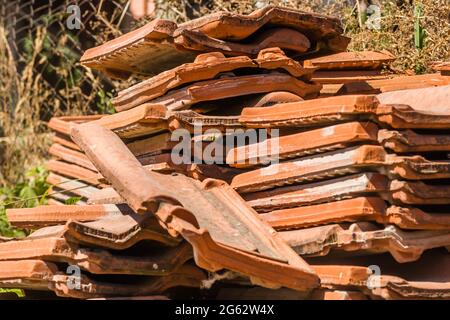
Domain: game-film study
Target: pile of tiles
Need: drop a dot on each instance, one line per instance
(343, 198)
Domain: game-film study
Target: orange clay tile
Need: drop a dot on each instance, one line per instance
(346, 76)
(223, 236)
(104, 196)
(339, 163)
(303, 144)
(64, 197)
(155, 144)
(342, 108)
(52, 215)
(365, 238)
(229, 87)
(206, 66)
(285, 38)
(394, 84)
(63, 124)
(384, 286)
(231, 26)
(351, 60)
(97, 261)
(152, 119)
(357, 209)
(40, 275)
(337, 295)
(186, 276)
(72, 186)
(65, 141)
(54, 202)
(60, 152)
(309, 112)
(432, 100)
(161, 44)
(29, 274)
(407, 141)
(318, 192)
(365, 184)
(117, 233)
(75, 172)
(443, 66)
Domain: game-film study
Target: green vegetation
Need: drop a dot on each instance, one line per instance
(27, 194)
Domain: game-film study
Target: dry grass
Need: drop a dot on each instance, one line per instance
(24, 139)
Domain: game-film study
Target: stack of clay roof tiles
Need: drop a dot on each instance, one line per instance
(360, 185)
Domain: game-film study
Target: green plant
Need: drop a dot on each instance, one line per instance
(419, 32)
(104, 104)
(18, 292)
(29, 193)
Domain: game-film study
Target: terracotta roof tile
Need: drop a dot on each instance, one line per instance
(339, 163)
(228, 87)
(335, 276)
(407, 141)
(357, 209)
(97, 261)
(351, 60)
(364, 184)
(162, 40)
(118, 233)
(367, 238)
(216, 248)
(395, 84)
(305, 143)
(75, 172)
(60, 152)
(205, 67)
(72, 186)
(342, 108)
(52, 215)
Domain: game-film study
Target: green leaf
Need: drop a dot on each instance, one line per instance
(72, 201)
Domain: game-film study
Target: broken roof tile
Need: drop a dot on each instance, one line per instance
(357, 209)
(366, 238)
(351, 60)
(265, 255)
